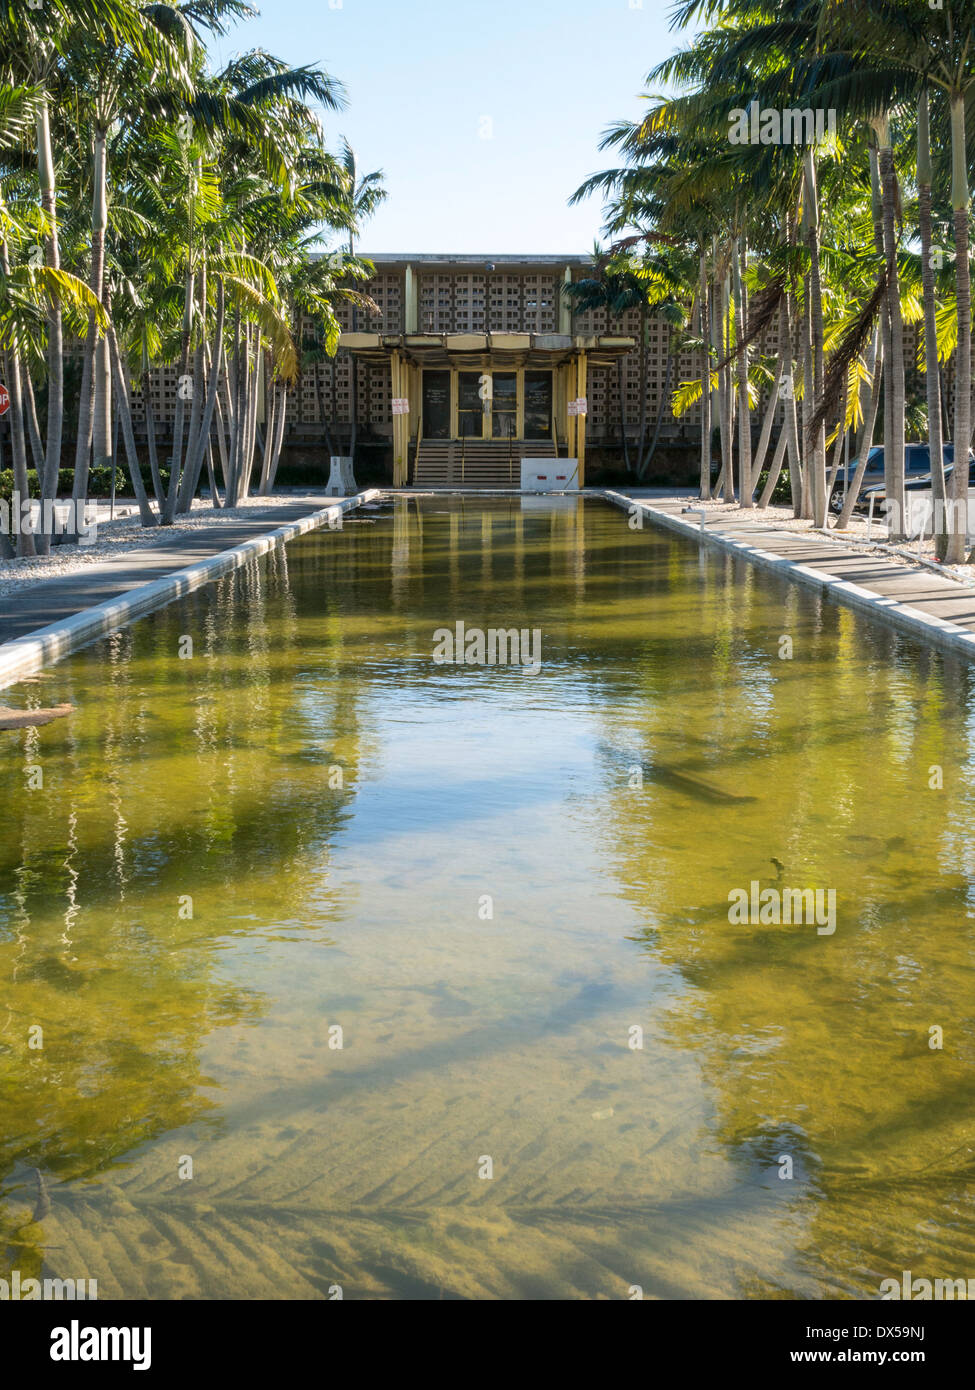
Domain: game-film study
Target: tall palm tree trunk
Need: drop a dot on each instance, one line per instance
(157, 486)
(808, 399)
(705, 489)
(932, 370)
(179, 414)
(876, 369)
(87, 398)
(728, 411)
(33, 427)
(256, 382)
(18, 448)
(745, 487)
(86, 407)
(18, 441)
(102, 366)
(783, 375)
(894, 445)
(194, 462)
(817, 441)
(957, 530)
(222, 445)
(271, 426)
(761, 449)
(146, 514)
(55, 333)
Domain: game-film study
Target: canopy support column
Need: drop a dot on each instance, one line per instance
(401, 423)
(581, 381)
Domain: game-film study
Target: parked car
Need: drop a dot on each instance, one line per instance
(917, 472)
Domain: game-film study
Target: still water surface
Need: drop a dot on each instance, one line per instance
(301, 830)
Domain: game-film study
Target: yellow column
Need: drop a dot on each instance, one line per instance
(394, 392)
(581, 420)
(417, 403)
(400, 424)
(413, 396)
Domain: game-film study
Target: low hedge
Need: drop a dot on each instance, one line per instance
(99, 482)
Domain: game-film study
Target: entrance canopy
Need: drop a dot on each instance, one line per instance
(471, 350)
(487, 386)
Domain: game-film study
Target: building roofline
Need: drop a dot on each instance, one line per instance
(448, 258)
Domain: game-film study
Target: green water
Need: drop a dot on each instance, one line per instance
(339, 809)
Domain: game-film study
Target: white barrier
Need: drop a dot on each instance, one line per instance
(549, 475)
(341, 480)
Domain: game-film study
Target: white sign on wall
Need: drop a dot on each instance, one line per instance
(401, 405)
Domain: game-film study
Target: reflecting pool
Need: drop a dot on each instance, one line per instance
(326, 965)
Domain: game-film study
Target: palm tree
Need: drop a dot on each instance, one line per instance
(777, 228)
(191, 203)
(35, 40)
(890, 53)
(29, 290)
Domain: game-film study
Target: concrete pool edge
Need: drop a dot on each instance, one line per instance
(905, 618)
(24, 656)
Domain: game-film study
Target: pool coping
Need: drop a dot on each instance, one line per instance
(903, 617)
(24, 656)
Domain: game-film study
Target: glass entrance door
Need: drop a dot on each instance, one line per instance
(488, 404)
(538, 405)
(436, 405)
(470, 406)
(504, 406)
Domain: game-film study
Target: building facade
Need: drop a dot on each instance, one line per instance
(468, 362)
(472, 362)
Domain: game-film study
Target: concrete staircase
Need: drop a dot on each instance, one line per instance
(478, 463)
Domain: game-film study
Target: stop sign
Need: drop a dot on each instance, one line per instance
(4, 400)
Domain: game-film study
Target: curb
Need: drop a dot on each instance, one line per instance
(25, 655)
(914, 622)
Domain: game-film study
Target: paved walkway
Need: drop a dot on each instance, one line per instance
(53, 600)
(938, 598)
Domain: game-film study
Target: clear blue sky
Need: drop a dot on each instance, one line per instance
(427, 80)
